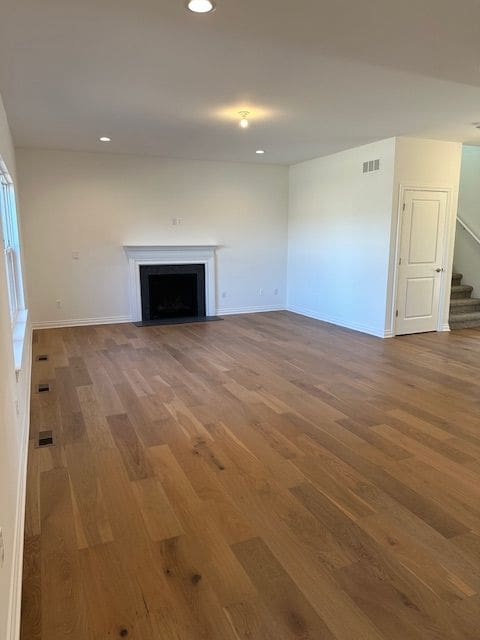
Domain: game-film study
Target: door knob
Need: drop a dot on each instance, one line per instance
(438, 270)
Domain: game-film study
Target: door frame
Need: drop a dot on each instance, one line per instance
(448, 247)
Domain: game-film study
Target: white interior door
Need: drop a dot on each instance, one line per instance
(420, 265)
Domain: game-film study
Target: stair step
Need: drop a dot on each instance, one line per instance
(461, 291)
(464, 305)
(457, 278)
(465, 320)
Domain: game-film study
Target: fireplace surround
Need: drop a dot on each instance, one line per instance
(170, 256)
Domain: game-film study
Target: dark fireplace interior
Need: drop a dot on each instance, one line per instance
(172, 291)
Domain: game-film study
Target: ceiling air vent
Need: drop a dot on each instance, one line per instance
(371, 165)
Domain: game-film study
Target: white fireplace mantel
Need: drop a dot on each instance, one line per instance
(170, 254)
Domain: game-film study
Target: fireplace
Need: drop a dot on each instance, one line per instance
(173, 257)
(171, 291)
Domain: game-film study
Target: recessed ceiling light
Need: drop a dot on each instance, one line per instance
(105, 139)
(260, 152)
(201, 6)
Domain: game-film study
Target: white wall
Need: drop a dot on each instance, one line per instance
(426, 163)
(339, 237)
(343, 229)
(96, 203)
(467, 251)
(13, 437)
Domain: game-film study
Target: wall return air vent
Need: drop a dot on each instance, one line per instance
(371, 165)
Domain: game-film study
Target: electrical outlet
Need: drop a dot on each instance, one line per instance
(275, 292)
(2, 549)
(224, 294)
(260, 292)
(59, 304)
(176, 221)
(75, 255)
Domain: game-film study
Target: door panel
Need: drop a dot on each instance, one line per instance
(419, 297)
(424, 232)
(420, 270)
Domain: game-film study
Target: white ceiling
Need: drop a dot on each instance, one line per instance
(317, 76)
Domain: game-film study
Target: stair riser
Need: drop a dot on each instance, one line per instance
(460, 295)
(456, 281)
(469, 324)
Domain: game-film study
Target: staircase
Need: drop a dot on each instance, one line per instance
(464, 310)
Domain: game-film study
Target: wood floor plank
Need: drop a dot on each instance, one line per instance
(132, 452)
(192, 592)
(214, 554)
(31, 623)
(160, 519)
(114, 598)
(288, 606)
(265, 477)
(87, 494)
(61, 578)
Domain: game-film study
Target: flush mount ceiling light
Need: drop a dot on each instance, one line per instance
(201, 6)
(244, 121)
(260, 152)
(105, 139)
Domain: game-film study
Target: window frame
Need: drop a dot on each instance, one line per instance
(11, 247)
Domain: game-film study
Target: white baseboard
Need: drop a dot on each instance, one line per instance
(234, 311)
(445, 327)
(83, 322)
(14, 612)
(340, 322)
(80, 322)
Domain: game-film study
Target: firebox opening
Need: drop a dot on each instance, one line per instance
(173, 296)
(172, 291)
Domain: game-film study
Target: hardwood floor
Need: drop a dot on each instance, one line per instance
(267, 477)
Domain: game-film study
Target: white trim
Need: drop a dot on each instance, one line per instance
(341, 322)
(149, 249)
(444, 327)
(238, 310)
(465, 226)
(447, 253)
(84, 322)
(9, 227)
(14, 612)
(80, 322)
(19, 335)
(170, 254)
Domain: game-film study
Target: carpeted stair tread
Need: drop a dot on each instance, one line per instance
(461, 287)
(464, 302)
(473, 315)
(465, 320)
(464, 310)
